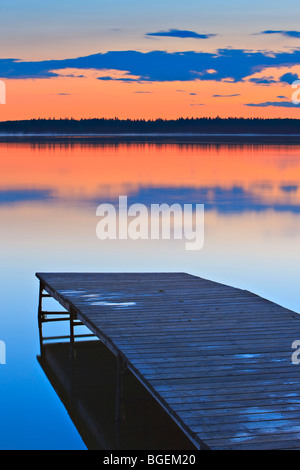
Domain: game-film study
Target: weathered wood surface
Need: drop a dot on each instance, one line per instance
(217, 358)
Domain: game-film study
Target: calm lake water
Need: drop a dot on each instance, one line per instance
(48, 199)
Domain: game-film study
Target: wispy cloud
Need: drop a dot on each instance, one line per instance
(226, 96)
(122, 79)
(278, 104)
(288, 78)
(180, 33)
(262, 80)
(292, 34)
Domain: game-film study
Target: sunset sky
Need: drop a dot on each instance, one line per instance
(149, 59)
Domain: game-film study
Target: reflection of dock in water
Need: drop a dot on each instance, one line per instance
(86, 385)
(216, 359)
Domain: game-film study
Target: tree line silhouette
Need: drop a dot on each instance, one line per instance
(203, 125)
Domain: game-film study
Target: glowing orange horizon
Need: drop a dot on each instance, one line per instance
(87, 97)
(83, 172)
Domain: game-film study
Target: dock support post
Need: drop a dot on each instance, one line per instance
(72, 340)
(40, 316)
(121, 368)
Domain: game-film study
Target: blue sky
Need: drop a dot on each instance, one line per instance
(68, 28)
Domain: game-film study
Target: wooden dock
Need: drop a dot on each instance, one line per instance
(216, 358)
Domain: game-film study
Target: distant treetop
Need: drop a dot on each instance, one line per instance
(203, 125)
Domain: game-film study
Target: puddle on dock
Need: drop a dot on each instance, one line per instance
(115, 304)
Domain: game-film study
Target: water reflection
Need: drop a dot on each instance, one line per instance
(86, 386)
(225, 177)
(48, 200)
